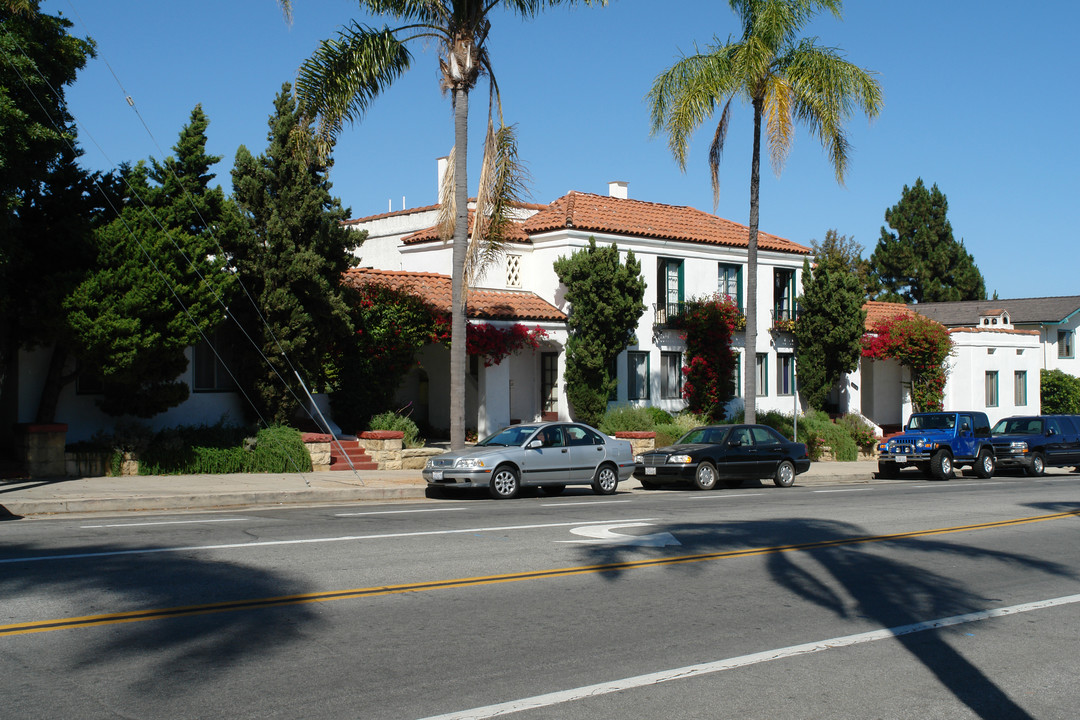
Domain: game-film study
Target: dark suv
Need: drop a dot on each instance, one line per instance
(1035, 442)
(939, 442)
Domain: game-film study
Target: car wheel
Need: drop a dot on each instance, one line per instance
(504, 483)
(606, 480)
(941, 466)
(985, 464)
(553, 489)
(705, 477)
(785, 474)
(888, 470)
(1038, 465)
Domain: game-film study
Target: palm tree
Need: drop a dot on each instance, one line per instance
(784, 79)
(343, 77)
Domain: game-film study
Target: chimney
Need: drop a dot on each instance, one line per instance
(618, 189)
(442, 164)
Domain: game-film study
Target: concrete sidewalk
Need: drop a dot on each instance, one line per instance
(191, 492)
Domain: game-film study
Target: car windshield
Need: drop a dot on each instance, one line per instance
(932, 422)
(1019, 426)
(511, 436)
(705, 435)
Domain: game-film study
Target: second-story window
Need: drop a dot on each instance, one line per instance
(729, 282)
(783, 295)
(1065, 343)
(669, 284)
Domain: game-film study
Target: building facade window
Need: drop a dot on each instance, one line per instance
(670, 375)
(669, 293)
(513, 271)
(762, 375)
(549, 383)
(729, 283)
(1065, 343)
(209, 371)
(1020, 388)
(785, 374)
(783, 294)
(637, 376)
(991, 388)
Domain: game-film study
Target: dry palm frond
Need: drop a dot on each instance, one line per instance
(444, 222)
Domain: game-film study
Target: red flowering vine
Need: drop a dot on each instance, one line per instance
(921, 345)
(496, 344)
(709, 374)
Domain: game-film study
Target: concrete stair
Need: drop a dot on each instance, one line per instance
(343, 448)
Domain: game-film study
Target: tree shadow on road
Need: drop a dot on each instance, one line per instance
(172, 649)
(841, 567)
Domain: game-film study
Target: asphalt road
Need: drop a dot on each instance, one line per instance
(958, 599)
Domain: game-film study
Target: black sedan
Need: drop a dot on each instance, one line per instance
(724, 453)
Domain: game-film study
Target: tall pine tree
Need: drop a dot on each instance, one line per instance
(289, 249)
(920, 261)
(161, 283)
(831, 319)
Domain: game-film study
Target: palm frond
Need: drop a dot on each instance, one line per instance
(716, 150)
(344, 75)
(503, 185)
(444, 220)
(777, 106)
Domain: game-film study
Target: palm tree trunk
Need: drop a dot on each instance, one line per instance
(750, 343)
(458, 357)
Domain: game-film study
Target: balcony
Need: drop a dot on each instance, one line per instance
(667, 313)
(783, 320)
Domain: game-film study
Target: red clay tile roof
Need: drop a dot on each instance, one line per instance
(482, 304)
(987, 328)
(601, 213)
(515, 233)
(392, 213)
(877, 311)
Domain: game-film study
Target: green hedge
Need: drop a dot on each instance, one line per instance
(219, 449)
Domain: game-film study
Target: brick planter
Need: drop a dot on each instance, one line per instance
(640, 441)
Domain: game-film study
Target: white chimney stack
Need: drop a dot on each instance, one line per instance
(442, 164)
(618, 189)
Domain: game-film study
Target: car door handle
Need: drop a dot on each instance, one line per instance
(563, 450)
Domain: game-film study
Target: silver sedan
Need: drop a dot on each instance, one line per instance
(550, 455)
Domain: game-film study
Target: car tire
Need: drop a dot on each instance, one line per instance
(785, 474)
(985, 464)
(888, 469)
(606, 480)
(1037, 467)
(705, 477)
(553, 489)
(505, 483)
(941, 465)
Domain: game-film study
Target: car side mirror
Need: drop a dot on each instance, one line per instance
(536, 444)
(735, 443)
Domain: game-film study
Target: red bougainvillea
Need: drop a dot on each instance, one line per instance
(496, 344)
(919, 344)
(709, 374)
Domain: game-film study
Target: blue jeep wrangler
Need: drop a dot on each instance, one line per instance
(1035, 442)
(939, 442)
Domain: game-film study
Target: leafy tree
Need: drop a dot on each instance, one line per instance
(920, 261)
(784, 79)
(286, 243)
(46, 201)
(707, 324)
(344, 76)
(605, 299)
(921, 345)
(160, 281)
(831, 319)
(1060, 392)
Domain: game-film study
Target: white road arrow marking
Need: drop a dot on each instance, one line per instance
(606, 535)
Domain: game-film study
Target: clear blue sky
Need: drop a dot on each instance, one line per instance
(980, 98)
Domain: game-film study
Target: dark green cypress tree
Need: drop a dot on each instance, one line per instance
(920, 261)
(831, 319)
(605, 299)
(160, 285)
(288, 247)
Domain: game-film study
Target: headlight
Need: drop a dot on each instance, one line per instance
(920, 442)
(1019, 446)
(639, 459)
(469, 463)
(429, 463)
(681, 459)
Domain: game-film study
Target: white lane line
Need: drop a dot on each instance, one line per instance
(567, 503)
(400, 512)
(565, 696)
(161, 522)
(309, 541)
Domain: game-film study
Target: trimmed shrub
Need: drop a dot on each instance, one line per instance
(818, 430)
(627, 418)
(218, 449)
(393, 421)
(861, 433)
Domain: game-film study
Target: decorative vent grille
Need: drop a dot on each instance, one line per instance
(513, 271)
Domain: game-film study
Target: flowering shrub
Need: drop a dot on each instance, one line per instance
(781, 324)
(919, 344)
(496, 344)
(707, 324)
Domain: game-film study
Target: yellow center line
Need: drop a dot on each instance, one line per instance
(376, 591)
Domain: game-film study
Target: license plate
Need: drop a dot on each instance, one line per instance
(650, 471)
(436, 474)
(901, 459)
